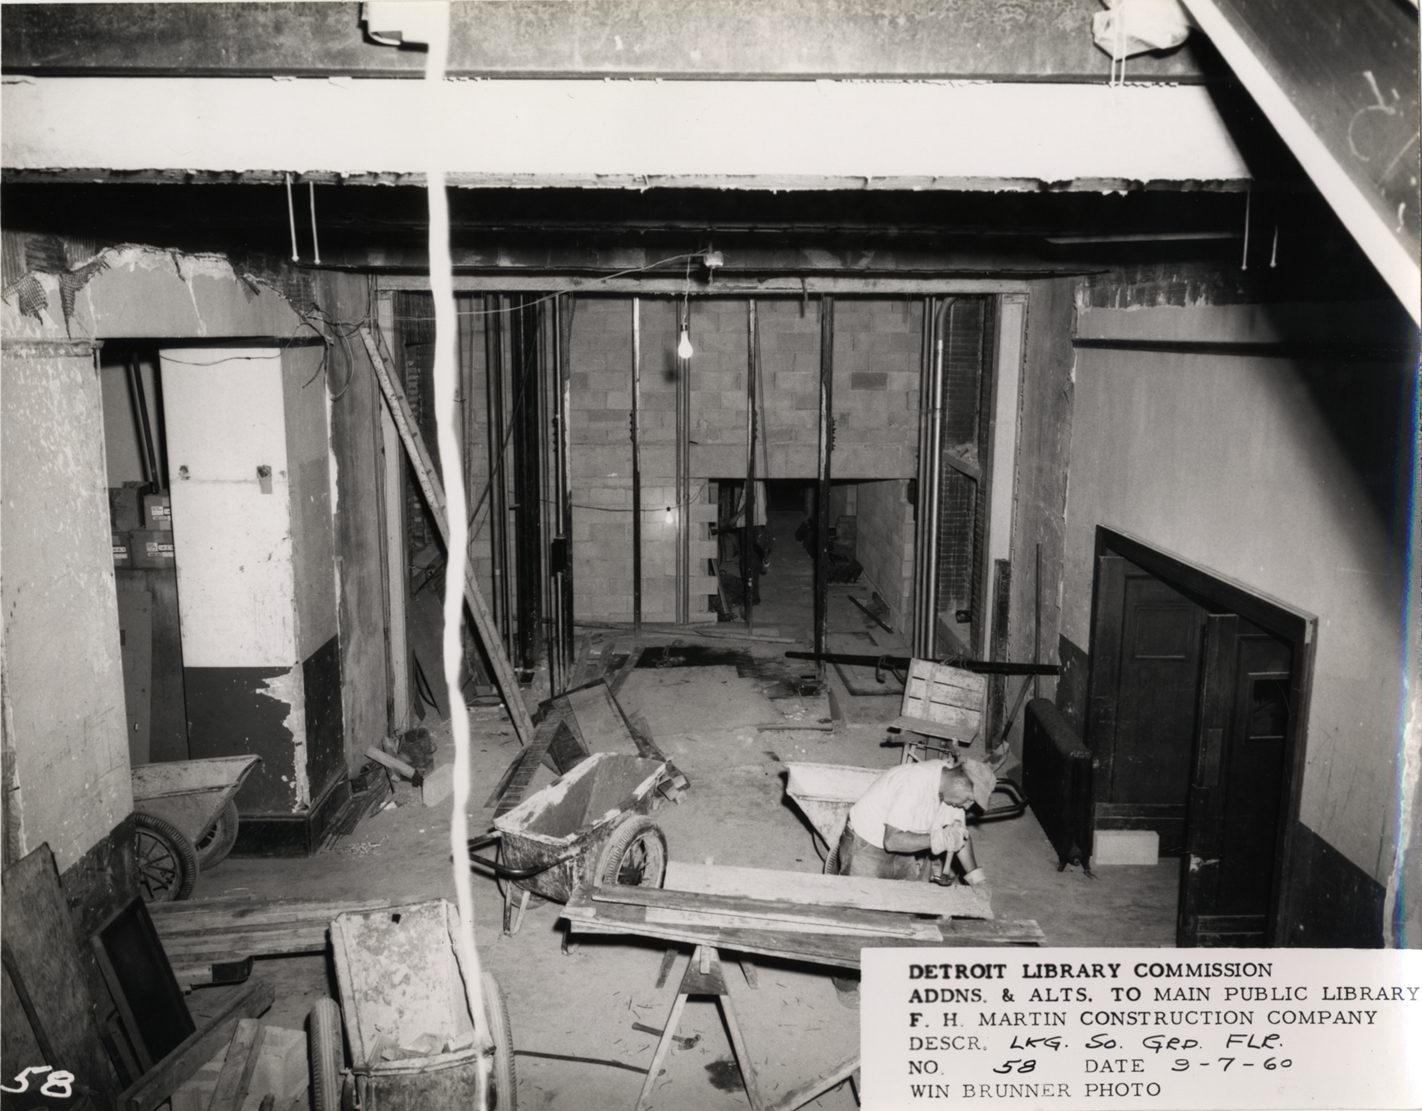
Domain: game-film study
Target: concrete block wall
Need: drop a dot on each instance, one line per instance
(877, 365)
(885, 546)
(473, 317)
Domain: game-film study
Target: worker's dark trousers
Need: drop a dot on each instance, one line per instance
(857, 857)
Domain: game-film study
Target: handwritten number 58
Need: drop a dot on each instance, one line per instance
(58, 1083)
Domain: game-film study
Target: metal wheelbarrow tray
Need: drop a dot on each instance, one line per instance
(825, 792)
(591, 822)
(401, 984)
(186, 820)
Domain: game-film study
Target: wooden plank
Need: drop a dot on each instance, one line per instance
(725, 919)
(824, 891)
(769, 910)
(801, 1094)
(156, 1085)
(220, 914)
(836, 950)
(42, 960)
(433, 488)
(253, 943)
(598, 722)
(931, 729)
(236, 1075)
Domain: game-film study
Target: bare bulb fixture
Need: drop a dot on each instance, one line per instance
(683, 348)
(670, 519)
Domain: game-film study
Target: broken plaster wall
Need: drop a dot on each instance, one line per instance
(1290, 478)
(63, 691)
(63, 676)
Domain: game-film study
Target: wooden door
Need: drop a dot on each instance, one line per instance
(1144, 695)
(1237, 786)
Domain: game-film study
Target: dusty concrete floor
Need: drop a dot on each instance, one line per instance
(583, 1003)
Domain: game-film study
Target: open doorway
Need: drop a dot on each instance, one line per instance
(1198, 694)
(145, 571)
(781, 574)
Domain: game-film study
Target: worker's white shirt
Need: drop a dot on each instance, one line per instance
(906, 798)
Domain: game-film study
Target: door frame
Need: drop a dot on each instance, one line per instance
(1296, 627)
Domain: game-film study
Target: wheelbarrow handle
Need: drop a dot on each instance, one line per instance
(506, 873)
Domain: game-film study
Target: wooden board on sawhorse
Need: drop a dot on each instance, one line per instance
(433, 488)
(704, 976)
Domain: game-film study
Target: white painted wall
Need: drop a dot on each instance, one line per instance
(231, 535)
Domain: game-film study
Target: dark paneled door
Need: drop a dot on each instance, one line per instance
(1145, 693)
(1237, 786)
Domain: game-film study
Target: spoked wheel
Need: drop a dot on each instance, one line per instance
(502, 1094)
(635, 856)
(327, 1055)
(167, 861)
(213, 847)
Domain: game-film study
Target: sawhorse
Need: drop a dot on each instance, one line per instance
(705, 976)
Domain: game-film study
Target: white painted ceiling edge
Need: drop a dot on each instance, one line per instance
(752, 134)
(1347, 199)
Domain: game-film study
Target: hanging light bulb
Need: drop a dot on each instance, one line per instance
(683, 348)
(670, 519)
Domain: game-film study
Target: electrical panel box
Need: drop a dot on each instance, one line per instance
(157, 512)
(151, 548)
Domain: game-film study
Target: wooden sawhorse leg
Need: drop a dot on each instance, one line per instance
(704, 976)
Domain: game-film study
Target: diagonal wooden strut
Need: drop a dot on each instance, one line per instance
(434, 494)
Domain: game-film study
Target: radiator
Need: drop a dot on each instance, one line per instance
(1056, 778)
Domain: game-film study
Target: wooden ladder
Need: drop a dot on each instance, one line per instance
(434, 494)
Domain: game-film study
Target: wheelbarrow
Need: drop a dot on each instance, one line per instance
(185, 820)
(592, 821)
(405, 1015)
(825, 792)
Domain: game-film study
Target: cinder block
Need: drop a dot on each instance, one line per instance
(1126, 846)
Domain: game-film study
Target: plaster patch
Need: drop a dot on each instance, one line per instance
(289, 688)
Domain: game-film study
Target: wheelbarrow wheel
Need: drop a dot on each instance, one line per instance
(635, 855)
(213, 847)
(167, 861)
(327, 1055)
(503, 1083)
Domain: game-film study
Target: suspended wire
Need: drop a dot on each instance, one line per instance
(601, 278)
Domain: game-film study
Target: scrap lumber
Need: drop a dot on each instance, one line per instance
(241, 1061)
(599, 723)
(801, 1094)
(423, 466)
(159, 1082)
(553, 739)
(959, 901)
(42, 963)
(198, 934)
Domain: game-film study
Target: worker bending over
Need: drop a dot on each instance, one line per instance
(913, 814)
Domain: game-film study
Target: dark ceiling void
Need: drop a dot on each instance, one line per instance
(1002, 40)
(573, 230)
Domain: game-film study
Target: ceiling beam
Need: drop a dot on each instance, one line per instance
(1339, 82)
(632, 134)
(1003, 40)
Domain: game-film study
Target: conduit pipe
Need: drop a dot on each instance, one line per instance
(930, 474)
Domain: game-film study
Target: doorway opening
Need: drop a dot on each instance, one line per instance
(145, 571)
(1197, 708)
